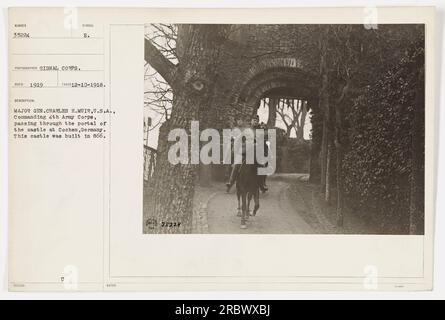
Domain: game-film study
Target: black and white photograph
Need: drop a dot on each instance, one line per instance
(284, 129)
(240, 151)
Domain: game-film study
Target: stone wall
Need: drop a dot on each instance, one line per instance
(258, 60)
(262, 56)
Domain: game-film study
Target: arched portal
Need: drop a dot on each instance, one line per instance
(279, 77)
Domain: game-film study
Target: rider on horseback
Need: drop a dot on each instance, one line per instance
(254, 124)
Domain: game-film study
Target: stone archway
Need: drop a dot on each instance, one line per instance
(280, 78)
(277, 74)
(274, 75)
(283, 76)
(268, 64)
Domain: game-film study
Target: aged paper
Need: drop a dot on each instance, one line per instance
(99, 201)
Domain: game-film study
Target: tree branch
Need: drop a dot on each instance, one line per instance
(160, 63)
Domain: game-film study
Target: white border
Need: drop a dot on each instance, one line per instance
(439, 291)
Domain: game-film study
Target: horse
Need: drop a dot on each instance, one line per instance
(247, 187)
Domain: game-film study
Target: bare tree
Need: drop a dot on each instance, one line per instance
(192, 80)
(158, 96)
(292, 113)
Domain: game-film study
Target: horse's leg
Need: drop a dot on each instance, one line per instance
(239, 212)
(244, 214)
(256, 199)
(249, 198)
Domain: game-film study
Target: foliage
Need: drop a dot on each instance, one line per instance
(377, 167)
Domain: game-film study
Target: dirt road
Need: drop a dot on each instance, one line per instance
(277, 214)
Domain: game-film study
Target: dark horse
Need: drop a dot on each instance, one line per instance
(247, 186)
